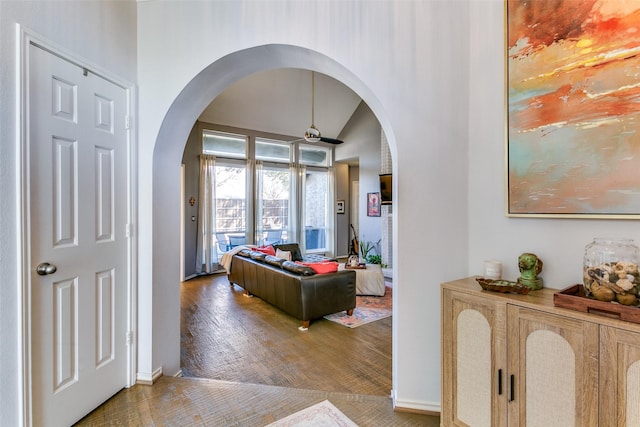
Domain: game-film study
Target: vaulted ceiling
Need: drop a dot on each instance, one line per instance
(279, 102)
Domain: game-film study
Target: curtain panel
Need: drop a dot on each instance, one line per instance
(207, 253)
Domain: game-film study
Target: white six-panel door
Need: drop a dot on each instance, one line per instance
(78, 205)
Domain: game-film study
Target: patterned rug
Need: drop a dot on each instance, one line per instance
(368, 309)
(319, 415)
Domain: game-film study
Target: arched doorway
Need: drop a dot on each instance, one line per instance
(178, 122)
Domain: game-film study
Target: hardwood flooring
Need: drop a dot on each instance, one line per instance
(228, 336)
(245, 363)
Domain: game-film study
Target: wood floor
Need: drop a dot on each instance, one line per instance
(228, 336)
(245, 363)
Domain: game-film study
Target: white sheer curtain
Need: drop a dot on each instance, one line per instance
(331, 213)
(207, 252)
(296, 208)
(259, 200)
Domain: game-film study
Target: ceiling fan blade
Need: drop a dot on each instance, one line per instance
(330, 140)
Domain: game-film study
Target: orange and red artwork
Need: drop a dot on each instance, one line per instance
(573, 70)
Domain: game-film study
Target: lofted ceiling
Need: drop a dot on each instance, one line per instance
(279, 101)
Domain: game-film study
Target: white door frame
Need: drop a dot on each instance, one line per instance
(24, 39)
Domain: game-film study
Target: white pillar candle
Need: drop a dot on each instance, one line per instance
(492, 270)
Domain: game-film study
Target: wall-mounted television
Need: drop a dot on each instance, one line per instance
(385, 189)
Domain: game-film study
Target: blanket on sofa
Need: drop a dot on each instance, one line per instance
(227, 257)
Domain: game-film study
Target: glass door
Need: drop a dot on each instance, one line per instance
(318, 211)
(273, 200)
(231, 205)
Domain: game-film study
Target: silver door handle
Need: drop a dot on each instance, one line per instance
(45, 268)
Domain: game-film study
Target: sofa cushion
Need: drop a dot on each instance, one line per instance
(275, 261)
(259, 256)
(322, 267)
(245, 253)
(298, 268)
(296, 255)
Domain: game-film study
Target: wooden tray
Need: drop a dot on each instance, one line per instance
(503, 286)
(574, 298)
(359, 267)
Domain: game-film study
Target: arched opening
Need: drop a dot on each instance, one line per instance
(169, 146)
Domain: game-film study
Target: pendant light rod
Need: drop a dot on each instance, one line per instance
(313, 97)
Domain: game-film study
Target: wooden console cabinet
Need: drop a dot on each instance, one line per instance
(516, 360)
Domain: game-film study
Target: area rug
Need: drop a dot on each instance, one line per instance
(322, 414)
(368, 309)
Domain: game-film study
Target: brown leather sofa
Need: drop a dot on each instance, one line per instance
(293, 288)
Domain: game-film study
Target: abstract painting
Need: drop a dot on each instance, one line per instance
(573, 95)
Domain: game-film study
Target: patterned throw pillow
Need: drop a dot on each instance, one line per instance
(283, 254)
(296, 255)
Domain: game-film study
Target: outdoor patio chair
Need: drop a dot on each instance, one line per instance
(273, 237)
(236, 240)
(223, 242)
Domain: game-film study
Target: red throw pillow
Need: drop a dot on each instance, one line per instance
(321, 267)
(266, 250)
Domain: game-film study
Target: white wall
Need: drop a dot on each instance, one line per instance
(363, 133)
(558, 242)
(103, 34)
(407, 60)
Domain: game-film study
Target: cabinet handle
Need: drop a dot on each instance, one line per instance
(499, 381)
(512, 387)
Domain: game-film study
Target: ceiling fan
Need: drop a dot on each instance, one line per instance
(313, 134)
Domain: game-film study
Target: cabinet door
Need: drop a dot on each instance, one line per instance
(553, 370)
(619, 377)
(473, 361)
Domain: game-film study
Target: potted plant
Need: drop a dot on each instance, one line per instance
(366, 251)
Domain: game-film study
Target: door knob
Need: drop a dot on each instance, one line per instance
(45, 268)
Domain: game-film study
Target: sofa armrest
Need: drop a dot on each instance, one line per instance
(324, 294)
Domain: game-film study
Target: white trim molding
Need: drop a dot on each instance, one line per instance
(404, 405)
(149, 379)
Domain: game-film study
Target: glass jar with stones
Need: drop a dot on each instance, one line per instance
(610, 271)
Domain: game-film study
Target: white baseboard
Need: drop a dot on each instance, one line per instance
(408, 405)
(148, 379)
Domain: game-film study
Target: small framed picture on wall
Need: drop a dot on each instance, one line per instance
(373, 204)
(340, 206)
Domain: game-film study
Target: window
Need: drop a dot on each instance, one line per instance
(273, 151)
(313, 155)
(263, 195)
(273, 190)
(231, 205)
(224, 144)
